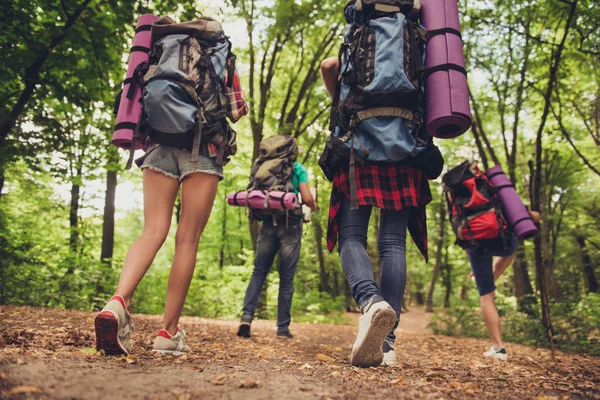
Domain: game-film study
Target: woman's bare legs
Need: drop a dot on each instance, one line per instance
(160, 192)
(197, 197)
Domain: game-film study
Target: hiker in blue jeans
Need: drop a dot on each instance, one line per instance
(281, 237)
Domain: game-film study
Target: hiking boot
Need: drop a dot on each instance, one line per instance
(374, 325)
(498, 353)
(244, 329)
(389, 355)
(167, 344)
(113, 328)
(285, 334)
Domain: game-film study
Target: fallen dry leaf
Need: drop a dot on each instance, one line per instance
(248, 383)
(324, 358)
(24, 389)
(306, 366)
(219, 380)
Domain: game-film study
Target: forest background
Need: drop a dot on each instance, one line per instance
(69, 210)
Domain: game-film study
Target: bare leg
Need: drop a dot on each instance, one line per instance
(329, 74)
(491, 318)
(197, 197)
(160, 192)
(501, 264)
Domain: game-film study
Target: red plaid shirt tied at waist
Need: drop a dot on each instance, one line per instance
(388, 187)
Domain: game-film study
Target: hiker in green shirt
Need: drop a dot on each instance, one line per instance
(280, 232)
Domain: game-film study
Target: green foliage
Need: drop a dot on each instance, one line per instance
(575, 324)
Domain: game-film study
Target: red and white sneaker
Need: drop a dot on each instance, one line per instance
(113, 328)
(167, 344)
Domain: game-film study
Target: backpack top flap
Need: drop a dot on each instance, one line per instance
(203, 28)
(368, 9)
(452, 180)
(278, 146)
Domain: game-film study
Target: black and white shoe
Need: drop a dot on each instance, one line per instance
(374, 325)
(498, 353)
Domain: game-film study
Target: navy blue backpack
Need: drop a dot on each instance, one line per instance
(378, 110)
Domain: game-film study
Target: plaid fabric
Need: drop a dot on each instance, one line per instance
(236, 105)
(389, 187)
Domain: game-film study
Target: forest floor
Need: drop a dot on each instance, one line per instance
(49, 354)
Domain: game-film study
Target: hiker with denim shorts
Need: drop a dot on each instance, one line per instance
(187, 140)
(486, 270)
(279, 233)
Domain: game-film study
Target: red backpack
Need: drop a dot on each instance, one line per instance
(475, 212)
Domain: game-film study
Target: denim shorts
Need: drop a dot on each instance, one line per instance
(175, 163)
(481, 258)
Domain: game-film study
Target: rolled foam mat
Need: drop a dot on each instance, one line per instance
(512, 206)
(448, 112)
(130, 109)
(256, 199)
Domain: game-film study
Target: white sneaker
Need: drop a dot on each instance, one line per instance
(389, 355)
(373, 327)
(496, 353)
(167, 344)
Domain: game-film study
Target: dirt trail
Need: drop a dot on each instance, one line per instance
(48, 354)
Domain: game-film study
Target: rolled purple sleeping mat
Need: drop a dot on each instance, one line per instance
(513, 208)
(130, 108)
(258, 199)
(448, 113)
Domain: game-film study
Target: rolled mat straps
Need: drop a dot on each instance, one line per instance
(143, 28)
(444, 67)
(443, 31)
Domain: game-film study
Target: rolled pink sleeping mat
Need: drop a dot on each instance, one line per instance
(448, 113)
(513, 208)
(130, 109)
(257, 199)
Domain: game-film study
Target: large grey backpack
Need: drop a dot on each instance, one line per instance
(184, 89)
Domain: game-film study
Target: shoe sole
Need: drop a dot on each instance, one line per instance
(107, 334)
(244, 331)
(369, 353)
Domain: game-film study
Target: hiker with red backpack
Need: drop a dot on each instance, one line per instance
(276, 170)
(477, 218)
(190, 86)
(378, 155)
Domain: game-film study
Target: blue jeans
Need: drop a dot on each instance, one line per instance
(482, 263)
(271, 240)
(356, 264)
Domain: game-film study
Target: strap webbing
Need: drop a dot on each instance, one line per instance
(353, 194)
(197, 141)
(133, 145)
(384, 112)
(126, 125)
(143, 28)
(442, 31)
(143, 49)
(444, 67)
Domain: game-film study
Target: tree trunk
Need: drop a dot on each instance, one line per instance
(323, 276)
(1, 181)
(223, 234)
(447, 279)
(74, 213)
(438, 257)
(108, 224)
(521, 280)
(588, 268)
